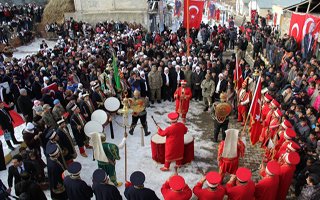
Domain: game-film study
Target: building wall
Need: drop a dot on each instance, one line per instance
(110, 5)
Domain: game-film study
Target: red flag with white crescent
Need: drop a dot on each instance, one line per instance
(194, 12)
(255, 114)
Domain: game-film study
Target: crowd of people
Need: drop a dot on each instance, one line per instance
(18, 21)
(65, 84)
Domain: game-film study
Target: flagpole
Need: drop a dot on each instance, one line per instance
(248, 115)
(188, 29)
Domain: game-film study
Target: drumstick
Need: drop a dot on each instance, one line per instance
(154, 120)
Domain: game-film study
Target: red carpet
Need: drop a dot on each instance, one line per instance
(16, 118)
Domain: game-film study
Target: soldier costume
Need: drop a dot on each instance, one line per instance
(244, 97)
(87, 107)
(53, 138)
(98, 97)
(176, 188)
(182, 96)
(102, 189)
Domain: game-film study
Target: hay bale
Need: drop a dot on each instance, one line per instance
(55, 9)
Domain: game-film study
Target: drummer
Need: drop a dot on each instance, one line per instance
(174, 148)
(138, 105)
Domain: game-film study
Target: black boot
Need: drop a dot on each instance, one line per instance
(10, 145)
(146, 132)
(132, 129)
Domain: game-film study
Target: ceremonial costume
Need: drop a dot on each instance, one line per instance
(102, 189)
(87, 107)
(135, 189)
(243, 188)
(182, 96)
(266, 106)
(106, 83)
(176, 188)
(286, 137)
(291, 147)
(285, 133)
(244, 98)
(138, 105)
(215, 191)
(98, 97)
(76, 188)
(228, 155)
(286, 174)
(55, 170)
(53, 139)
(267, 188)
(174, 148)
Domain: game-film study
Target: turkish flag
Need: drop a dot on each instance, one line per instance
(237, 75)
(255, 114)
(194, 12)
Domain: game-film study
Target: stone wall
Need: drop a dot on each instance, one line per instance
(19, 2)
(110, 5)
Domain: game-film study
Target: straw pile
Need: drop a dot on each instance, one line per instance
(55, 9)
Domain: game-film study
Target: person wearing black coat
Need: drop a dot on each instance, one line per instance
(30, 188)
(101, 187)
(135, 189)
(4, 191)
(17, 168)
(76, 188)
(36, 88)
(6, 124)
(25, 104)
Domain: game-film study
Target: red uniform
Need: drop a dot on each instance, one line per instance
(265, 110)
(241, 192)
(267, 188)
(174, 147)
(207, 193)
(244, 103)
(169, 194)
(282, 150)
(182, 97)
(286, 175)
(230, 165)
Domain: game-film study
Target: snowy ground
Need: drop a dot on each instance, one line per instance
(139, 157)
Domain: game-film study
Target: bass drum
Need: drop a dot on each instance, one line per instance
(92, 127)
(112, 104)
(100, 116)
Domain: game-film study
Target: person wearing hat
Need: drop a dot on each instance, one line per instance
(53, 138)
(105, 80)
(196, 79)
(270, 131)
(47, 117)
(287, 170)
(288, 136)
(214, 191)
(267, 188)
(65, 140)
(207, 86)
(6, 124)
(182, 97)
(98, 97)
(77, 122)
(55, 170)
(240, 185)
(101, 187)
(86, 106)
(266, 122)
(174, 148)
(31, 136)
(176, 188)
(138, 104)
(283, 135)
(266, 105)
(291, 147)
(244, 98)
(76, 188)
(25, 104)
(58, 110)
(135, 189)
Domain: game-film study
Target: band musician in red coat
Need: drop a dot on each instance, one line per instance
(174, 147)
(244, 97)
(182, 96)
(267, 188)
(176, 188)
(214, 191)
(228, 155)
(266, 106)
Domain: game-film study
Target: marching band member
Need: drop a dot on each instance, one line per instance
(76, 188)
(285, 133)
(240, 185)
(77, 123)
(98, 97)
(214, 191)
(267, 188)
(53, 138)
(291, 147)
(106, 154)
(174, 147)
(135, 189)
(182, 96)
(176, 188)
(287, 170)
(86, 106)
(266, 106)
(68, 151)
(228, 155)
(138, 104)
(244, 98)
(101, 187)
(288, 135)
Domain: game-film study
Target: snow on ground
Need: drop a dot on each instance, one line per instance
(140, 157)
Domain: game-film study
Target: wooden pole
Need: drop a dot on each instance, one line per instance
(125, 155)
(188, 29)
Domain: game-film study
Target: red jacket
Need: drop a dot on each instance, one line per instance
(207, 193)
(267, 188)
(241, 192)
(174, 147)
(168, 194)
(285, 178)
(184, 102)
